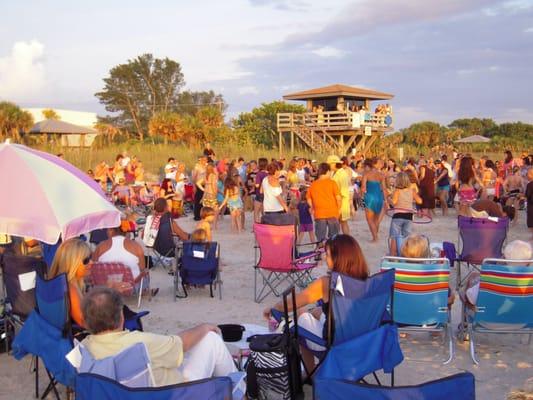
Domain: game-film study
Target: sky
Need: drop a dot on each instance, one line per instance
(442, 59)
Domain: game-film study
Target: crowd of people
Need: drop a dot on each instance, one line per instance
(303, 187)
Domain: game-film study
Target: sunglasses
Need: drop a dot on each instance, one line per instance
(86, 260)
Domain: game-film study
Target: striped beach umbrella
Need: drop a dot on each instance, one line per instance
(43, 196)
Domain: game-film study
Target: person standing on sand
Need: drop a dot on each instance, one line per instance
(324, 199)
(373, 189)
(529, 198)
(198, 175)
(209, 153)
(341, 178)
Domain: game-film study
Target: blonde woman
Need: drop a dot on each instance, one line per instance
(208, 186)
(402, 201)
(71, 259)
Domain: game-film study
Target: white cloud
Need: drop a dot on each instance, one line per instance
(248, 90)
(494, 68)
(528, 30)
(516, 114)
(329, 52)
(465, 72)
(22, 73)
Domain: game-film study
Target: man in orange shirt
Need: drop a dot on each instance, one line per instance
(324, 200)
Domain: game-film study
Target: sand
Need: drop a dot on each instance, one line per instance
(506, 360)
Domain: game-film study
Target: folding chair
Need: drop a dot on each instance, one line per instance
(505, 300)
(41, 339)
(110, 273)
(18, 275)
(198, 264)
(91, 386)
(53, 305)
(458, 387)
(361, 338)
(421, 295)
(164, 246)
(277, 261)
(479, 238)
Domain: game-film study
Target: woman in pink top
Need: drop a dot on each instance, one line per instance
(466, 179)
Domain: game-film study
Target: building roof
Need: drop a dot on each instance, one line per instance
(473, 139)
(339, 90)
(57, 126)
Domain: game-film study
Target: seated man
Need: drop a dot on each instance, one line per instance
(119, 249)
(493, 209)
(197, 353)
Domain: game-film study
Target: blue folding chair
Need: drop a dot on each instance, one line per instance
(421, 295)
(53, 305)
(505, 300)
(457, 387)
(360, 339)
(91, 387)
(198, 265)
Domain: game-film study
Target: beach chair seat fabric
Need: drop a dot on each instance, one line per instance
(91, 386)
(199, 265)
(421, 290)
(458, 387)
(505, 300)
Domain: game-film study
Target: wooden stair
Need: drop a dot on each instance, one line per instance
(314, 136)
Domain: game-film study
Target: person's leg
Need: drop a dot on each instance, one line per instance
(394, 232)
(239, 220)
(308, 322)
(321, 229)
(312, 236)
(369, 214)
(443, 196)
(198, 194)
(333, 227)
(208, 358)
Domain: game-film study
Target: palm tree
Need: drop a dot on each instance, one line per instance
(49, 113)
(13, 121)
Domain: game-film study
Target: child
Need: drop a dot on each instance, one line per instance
(199, 235)
(122, 193)
(402, 200)
(233, 199)
(305, 219)
(529, 198)
(207, 216)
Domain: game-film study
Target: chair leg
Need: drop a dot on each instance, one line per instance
(472, 345)
(449, 333)
(211, 290)
(376, 378)
(36, 377)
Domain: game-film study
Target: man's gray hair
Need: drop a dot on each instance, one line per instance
(518, 250)
(102, 310)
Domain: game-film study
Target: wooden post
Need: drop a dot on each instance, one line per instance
(280, 144)
(292, 141)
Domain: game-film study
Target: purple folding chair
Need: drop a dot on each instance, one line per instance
(277, 261)
(479, 238)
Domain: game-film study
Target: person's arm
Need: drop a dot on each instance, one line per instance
(199, 184)
(176, 230)
(191, 337)
(395, 197)
(442, 174)
(417, 198)
(317, 290)
(422, 173)
(226, 198)
(363, 184)
(310, 203)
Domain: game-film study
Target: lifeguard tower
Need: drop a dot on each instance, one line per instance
(339, 118)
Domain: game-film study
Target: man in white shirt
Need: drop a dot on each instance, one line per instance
(170, 169)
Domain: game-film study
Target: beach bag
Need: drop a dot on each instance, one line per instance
(273, 369)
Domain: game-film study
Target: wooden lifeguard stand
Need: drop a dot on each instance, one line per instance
(338, 119)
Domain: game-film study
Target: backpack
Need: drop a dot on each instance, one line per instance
(273, 369)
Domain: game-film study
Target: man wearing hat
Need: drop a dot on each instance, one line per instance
(340, 176)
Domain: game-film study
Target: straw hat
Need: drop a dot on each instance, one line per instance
(333, 159)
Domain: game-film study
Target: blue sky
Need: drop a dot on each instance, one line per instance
(443, 59)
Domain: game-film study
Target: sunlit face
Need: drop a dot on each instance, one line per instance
(210, 218)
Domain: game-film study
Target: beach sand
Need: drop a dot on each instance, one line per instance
(506, 361)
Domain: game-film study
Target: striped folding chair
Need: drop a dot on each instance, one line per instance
(420, 301)
(505, 300)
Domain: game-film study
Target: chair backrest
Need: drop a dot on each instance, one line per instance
(420, 289)
(481, 238)
(52, 300)
(19, 275)
(108, 273)
(164, 241)
(90, 387)
(130, 367)
(505, 292)
(276, 246)
(279, 219)
(358, 306)
(199, 262)
(458, 387)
